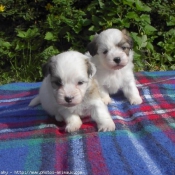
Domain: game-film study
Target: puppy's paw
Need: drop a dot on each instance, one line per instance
(107, 100)
(73, 125)
(107, 126)
(136, 100)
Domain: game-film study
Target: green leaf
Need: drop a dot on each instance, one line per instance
(141, 7)
(22, 34)
(145, 18)
(173, 67)
(161, 44)
(32, 33)
(171, 32)
(150, 46)
(168, 57)
(133, 15)
(128, 2)
(91, 28)
(6, 44)
(115, 2)
(171, 21)
(68, 36)
(101, 3)
(29, 34)
(85, 22)
(48, 52)
(137, 56)
(125, 23)
(91, 37)
(149, 29)
(140, 41)
(95, 20)
(135, 37)
(49, 36)
(143, 41)
(19, 46)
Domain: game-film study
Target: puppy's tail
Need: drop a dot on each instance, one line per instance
(35, 101)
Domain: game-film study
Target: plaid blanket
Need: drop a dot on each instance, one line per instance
(31, 142)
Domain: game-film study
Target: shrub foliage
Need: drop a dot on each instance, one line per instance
(32, 31)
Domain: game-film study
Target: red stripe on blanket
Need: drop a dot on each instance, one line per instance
(34, 122)
(61, 155)
(22, 124)
(143, 80)
(47, 132)
(163, 122)
(19, 95)
(93, 150)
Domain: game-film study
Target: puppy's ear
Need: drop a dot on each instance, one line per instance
(128, 38)
(92, 46)
(47, 67)
(91, 69)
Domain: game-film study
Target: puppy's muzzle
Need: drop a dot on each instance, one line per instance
(117, 60)
(68, 99)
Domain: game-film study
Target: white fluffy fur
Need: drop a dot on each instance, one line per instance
(75, 72)
(112, 76)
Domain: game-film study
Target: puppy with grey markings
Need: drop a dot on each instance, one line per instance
(112, 54)
(69, 92)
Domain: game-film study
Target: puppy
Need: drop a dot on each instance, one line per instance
(69, 92)
(112, 55)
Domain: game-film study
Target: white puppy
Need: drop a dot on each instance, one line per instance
(112, 55)
(68, 91)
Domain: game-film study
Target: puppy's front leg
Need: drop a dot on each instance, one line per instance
(105, 96)
(100, 114)
(73, 122)
(132, 94)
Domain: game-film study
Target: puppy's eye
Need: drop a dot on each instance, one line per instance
(80, 83)
(105, 52)
(58, 83)
(124, 48)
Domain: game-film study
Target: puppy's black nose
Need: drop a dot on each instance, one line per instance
(117, 60)
(68, 99)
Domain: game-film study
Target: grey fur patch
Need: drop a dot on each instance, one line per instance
(128, 38)
(91, 70)
(48, 68)
(92, 47)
